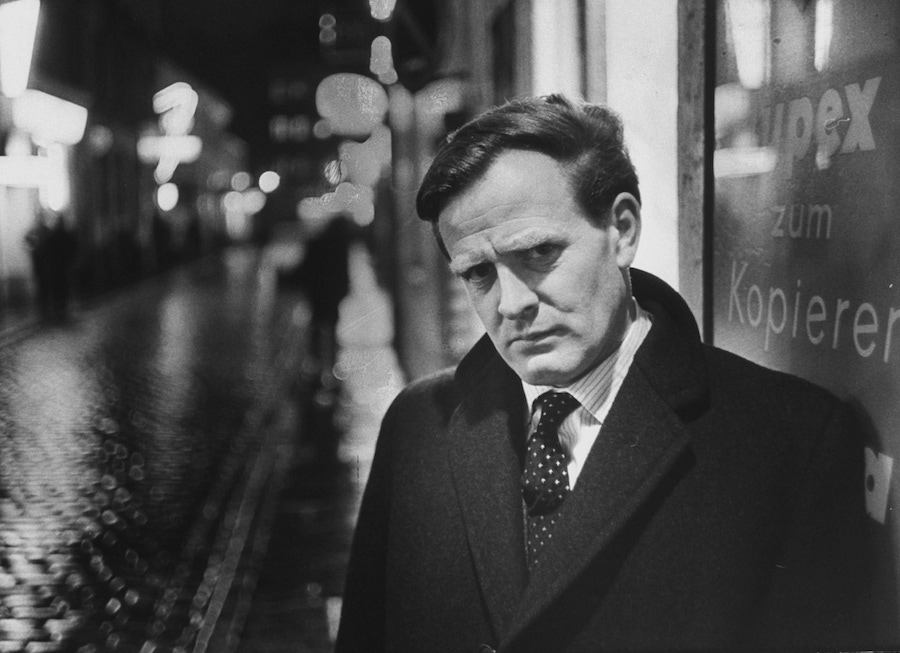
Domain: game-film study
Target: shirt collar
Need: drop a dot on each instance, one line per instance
(593, 389)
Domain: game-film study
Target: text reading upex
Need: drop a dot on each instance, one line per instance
(792, 134)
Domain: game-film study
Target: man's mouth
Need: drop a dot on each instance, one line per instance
(533, 337)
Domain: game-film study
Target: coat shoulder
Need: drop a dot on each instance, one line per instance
(771, 406)
(434, 396)
(732, 373)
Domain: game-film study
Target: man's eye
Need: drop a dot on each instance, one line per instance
(478, 273)
(543, 253)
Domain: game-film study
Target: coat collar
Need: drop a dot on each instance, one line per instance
(642, 438)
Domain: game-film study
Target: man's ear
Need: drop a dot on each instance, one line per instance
(626, 219)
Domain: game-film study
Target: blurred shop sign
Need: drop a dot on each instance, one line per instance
(176, 105)
(153, 148)
(18, 27)
(25, 171)
(48, 118)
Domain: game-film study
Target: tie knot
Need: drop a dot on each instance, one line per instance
(556, 407)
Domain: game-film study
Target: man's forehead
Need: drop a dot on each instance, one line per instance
(515, 186)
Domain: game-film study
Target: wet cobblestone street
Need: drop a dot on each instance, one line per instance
(133, 455)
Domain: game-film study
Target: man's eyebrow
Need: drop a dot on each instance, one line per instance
(459, 265)
(514, 243)
(522, 241)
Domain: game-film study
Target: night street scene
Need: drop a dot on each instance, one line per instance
(215, 280)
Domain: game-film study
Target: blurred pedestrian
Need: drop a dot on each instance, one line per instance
(61, 250)
(36, 241)
(325, 276)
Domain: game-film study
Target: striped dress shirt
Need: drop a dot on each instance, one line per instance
(595, 391)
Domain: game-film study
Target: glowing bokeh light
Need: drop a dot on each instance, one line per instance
(327, 29)
(164, 171)
(355, 200)
(353, 104)
(100, 139)
(388, 78)
(824, 33)
(750, 23)
(55, 192)
(322, 129)
(269, 181)
(253, 200)
(167, 196)
(24, 170)
(233, 202)
(237, 225)
(240, 181)
(381, 59)
(49, 118)
(364, 163)
(18, 26)
(382, 9)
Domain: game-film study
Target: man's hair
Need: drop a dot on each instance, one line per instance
(587, 139)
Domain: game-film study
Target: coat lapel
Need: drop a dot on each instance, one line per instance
(487, 435)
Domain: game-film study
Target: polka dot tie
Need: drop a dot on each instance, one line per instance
(545, 480)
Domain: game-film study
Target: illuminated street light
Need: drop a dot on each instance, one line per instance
(269, 181)
(352, 104)
(382, 9)
(240, 181)
(381, 61)
(18, 26)
(327, 29)
(167, 196)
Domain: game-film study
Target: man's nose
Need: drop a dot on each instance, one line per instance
(517, 299)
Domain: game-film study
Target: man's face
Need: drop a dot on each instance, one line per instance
(548, 284)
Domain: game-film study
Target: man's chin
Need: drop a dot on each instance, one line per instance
(548, 373)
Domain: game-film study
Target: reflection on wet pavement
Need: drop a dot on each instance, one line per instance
(127, 442)
(297, 597)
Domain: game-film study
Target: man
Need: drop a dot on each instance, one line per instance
(665, 495)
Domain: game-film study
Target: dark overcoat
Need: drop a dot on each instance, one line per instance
(722, 506)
